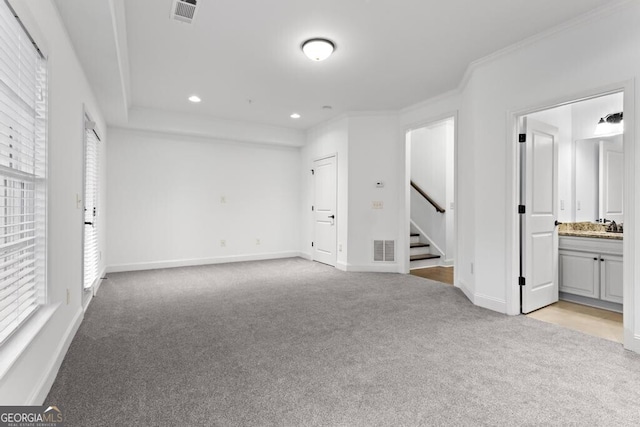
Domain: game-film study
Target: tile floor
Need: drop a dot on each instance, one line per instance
(593, 321)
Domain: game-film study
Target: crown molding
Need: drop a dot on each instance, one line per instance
(594, 14)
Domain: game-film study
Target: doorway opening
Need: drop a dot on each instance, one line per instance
(431, 172)
(91, 216)
(571, 215)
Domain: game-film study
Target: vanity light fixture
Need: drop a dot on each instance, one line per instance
(195, 99)
(611, 124)
(318, 49)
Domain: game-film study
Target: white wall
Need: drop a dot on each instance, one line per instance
(598, 54)
(173, 199)
(30, 375)
(369, 149)
(375, 154)
(331, 138)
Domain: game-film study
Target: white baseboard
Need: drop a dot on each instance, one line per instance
(154, 265)
(99, 282)
(41, 389)
(490, 303)
(465, 290)
(342, 266)
(306, 255)
(373, 268)
(631, 341)
(447, 263)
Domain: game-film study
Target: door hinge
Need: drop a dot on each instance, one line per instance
(313, 172)
(521, 281)
(522, 137)
(312, 208)
(311, 244)
(521, 209)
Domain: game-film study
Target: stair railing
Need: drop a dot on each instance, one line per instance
(426, 196)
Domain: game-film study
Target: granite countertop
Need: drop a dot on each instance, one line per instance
(587, 229)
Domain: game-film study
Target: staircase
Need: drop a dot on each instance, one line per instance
(420, 253)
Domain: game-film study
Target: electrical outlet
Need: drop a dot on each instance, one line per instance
(223, 199)
(340, 247)
(579, 205)
(258, 242)
(68, 296)
(100, 255)
(78, 201)
(377, 205)
(471, 268)
(223, 243)
(561, 205)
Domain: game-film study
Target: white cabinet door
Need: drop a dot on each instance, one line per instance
(579, 273)
(611, 278)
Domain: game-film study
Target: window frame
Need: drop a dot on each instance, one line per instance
(39, 179)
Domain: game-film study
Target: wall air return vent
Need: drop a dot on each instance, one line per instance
(384, 250)
(184, 10)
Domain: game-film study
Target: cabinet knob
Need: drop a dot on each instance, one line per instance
(595, 259)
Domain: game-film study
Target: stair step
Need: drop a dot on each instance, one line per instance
(419, 245)
(425, 256)
(414, 238)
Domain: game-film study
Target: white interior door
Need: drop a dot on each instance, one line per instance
(324, 245)
(611, 179)
(91, 221)
(539, 238)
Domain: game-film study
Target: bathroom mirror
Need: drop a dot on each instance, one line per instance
(598, 178)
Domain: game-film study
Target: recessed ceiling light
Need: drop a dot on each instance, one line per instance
(318, 49)
(195, 98)
(295, 116)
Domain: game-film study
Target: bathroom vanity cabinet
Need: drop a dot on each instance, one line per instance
(591, 268)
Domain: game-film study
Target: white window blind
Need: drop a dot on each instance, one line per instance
(22, 174)
(91, 223)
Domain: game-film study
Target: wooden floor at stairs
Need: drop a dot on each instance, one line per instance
(439, 274)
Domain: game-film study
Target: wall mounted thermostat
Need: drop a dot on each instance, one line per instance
(379, 184)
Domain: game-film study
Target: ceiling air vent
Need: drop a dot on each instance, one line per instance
(184, 10)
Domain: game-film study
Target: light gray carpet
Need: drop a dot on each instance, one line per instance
(295, 343)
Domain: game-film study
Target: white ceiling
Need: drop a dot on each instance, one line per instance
(390, 53)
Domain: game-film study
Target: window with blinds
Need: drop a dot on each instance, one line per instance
(91, 254)
(23, 101)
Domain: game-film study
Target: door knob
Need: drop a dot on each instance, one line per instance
(332, 216)
(557, 223)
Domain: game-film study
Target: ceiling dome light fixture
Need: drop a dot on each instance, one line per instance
(318, 49)
(295, 116)
(195, 99)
